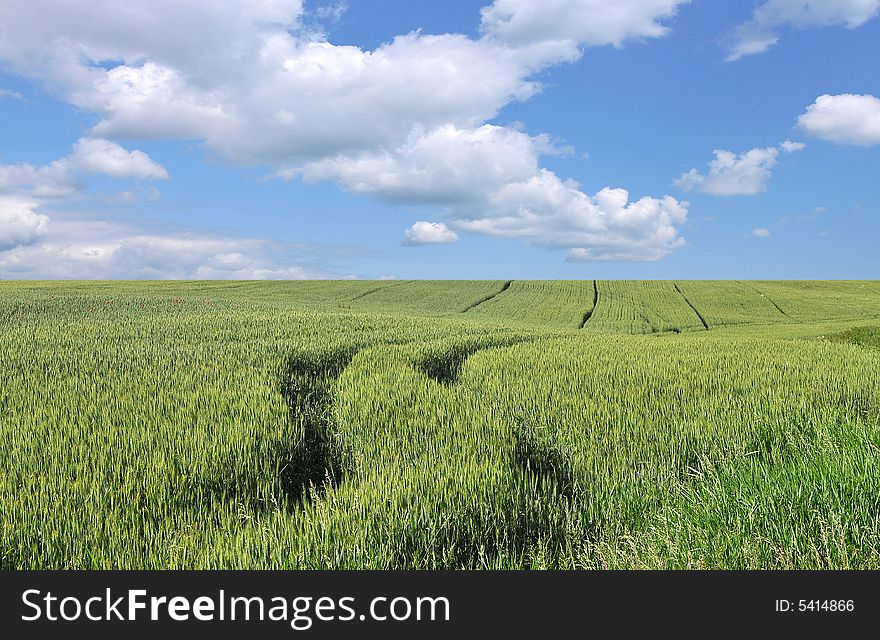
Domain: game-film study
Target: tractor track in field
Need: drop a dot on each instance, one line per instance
(445, 367)
(693, 308)
(379, 288)
(589, 314)
(476, 304)
(766, 297)
(313, 463)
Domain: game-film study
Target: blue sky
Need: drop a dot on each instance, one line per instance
(382, 138)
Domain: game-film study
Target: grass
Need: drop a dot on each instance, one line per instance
(865, 336)
(439, 425)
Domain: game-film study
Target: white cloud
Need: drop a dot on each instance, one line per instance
(790, 147)
(762, 31)
(87, 248)
(53, 180)
(428, 233)
(446, 165)
(760, 232)
(547, 211)
(405, 122)
(268, 95)
(20, 224)
(846, 118)
(195, 34)
(590, 22)
(490, 181)
(151, 101)
(94, 155)
(58, 179)
(245, 78)
(732, 174)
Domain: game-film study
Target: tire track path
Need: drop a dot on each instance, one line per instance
(699, 315)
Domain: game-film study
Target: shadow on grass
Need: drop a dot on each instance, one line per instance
(444, 365)
(312, 461)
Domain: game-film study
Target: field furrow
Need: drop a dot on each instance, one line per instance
(640, 307)
(727, 303)
(436, 297)
(696, 311)
(476, 304)
(557, 304)
(589, 314)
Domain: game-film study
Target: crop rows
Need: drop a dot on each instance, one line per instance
(724, 303)
(435, 297)
(558, 304)
(639, 307)
(288, 425)
(812, 301)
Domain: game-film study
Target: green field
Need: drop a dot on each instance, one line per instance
(496, 424)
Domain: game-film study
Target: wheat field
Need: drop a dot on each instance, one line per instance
(451, 424)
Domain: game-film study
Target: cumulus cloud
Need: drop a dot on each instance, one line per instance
(59, 178)
(151, 101)
(257, 88)
(428, 233)
(761, 232)
(550, 212)
(762, 31)
(94, 155)
(8, 93)
(442, 166)
(732, 174)
(590, 22)
(790, 147)
(20, 224)
(846, 118)
(262, 92)
(247, 78)
(404, 122)
(490, 181)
